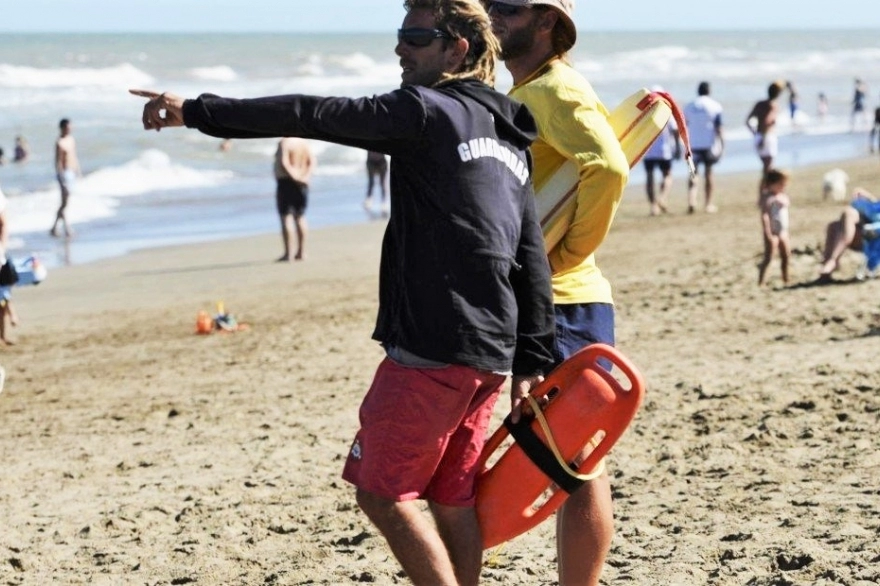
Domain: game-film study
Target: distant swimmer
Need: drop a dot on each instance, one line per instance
(66, 171)
(21, 150)
(822, 106)
(793, 103)
(859, 117)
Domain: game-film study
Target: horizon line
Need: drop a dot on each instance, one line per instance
(752, 29)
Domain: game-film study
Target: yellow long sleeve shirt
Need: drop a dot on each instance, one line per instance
(572, 124)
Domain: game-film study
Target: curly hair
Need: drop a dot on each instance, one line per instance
(465, 19)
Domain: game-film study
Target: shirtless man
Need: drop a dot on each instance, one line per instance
(763, 128)
(294, 164)
(66, 171)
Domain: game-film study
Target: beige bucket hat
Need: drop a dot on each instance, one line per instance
(565, 8)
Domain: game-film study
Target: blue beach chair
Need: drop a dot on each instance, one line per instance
(870, 212)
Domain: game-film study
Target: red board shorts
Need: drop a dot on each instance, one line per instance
(422, 430)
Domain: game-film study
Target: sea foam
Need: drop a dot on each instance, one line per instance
(123, 75)
(97, 194)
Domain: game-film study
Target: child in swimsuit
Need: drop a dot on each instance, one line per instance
(775, 204)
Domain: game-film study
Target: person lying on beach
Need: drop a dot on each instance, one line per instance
(464, 288)
(845, 233)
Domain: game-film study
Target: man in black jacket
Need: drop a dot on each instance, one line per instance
(464, 294)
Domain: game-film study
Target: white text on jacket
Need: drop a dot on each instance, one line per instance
(488, 147)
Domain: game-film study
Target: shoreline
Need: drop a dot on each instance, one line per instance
(191, 216)
(135, 450)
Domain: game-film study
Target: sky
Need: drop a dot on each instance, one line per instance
(381, 15)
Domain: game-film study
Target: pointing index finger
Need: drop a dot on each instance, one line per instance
(145, 93)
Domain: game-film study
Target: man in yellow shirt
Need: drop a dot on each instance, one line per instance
(535, 37)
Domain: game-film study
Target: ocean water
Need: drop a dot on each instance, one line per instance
(145, 189)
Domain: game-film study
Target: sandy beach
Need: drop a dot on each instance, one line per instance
(137, 452)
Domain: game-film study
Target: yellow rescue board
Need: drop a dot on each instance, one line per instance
(636, 122)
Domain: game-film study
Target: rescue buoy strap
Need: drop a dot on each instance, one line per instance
(548, 458)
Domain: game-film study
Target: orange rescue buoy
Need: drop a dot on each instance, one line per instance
(586, 405)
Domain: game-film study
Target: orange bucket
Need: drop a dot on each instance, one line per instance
(204, 323)
(587, 405)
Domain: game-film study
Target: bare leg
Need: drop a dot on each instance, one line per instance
(412, 539)
(460, 532)
(710, 207)
(784, 255)
(839, 236)
(665, 188)
(13, 319)
(4, 316)
(383, 185)
(692, 195)
(765, 262)
(584, 528)
(766, 164)
(60, 215)
(649, 188)
(301, 229)
(286, 233)
(368, 201)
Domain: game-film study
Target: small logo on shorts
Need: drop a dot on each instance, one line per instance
(355, 452)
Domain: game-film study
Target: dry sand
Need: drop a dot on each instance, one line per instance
(136, 452)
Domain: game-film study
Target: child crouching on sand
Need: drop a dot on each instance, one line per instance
(774, 204)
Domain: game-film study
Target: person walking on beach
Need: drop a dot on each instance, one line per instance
(377, 176)
(66, 171)
(761, 122)
(536, 36)
(294, 165)
(665, 149)
(464, 287)
(703, 119)
(775, 205)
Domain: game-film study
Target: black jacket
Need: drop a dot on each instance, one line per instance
(464, 277)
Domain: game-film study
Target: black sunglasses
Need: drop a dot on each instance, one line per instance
(420, 37)
(502, 9)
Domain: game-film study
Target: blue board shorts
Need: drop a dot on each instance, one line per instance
(580, 324)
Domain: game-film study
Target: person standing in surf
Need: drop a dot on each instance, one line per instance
(66, 171)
